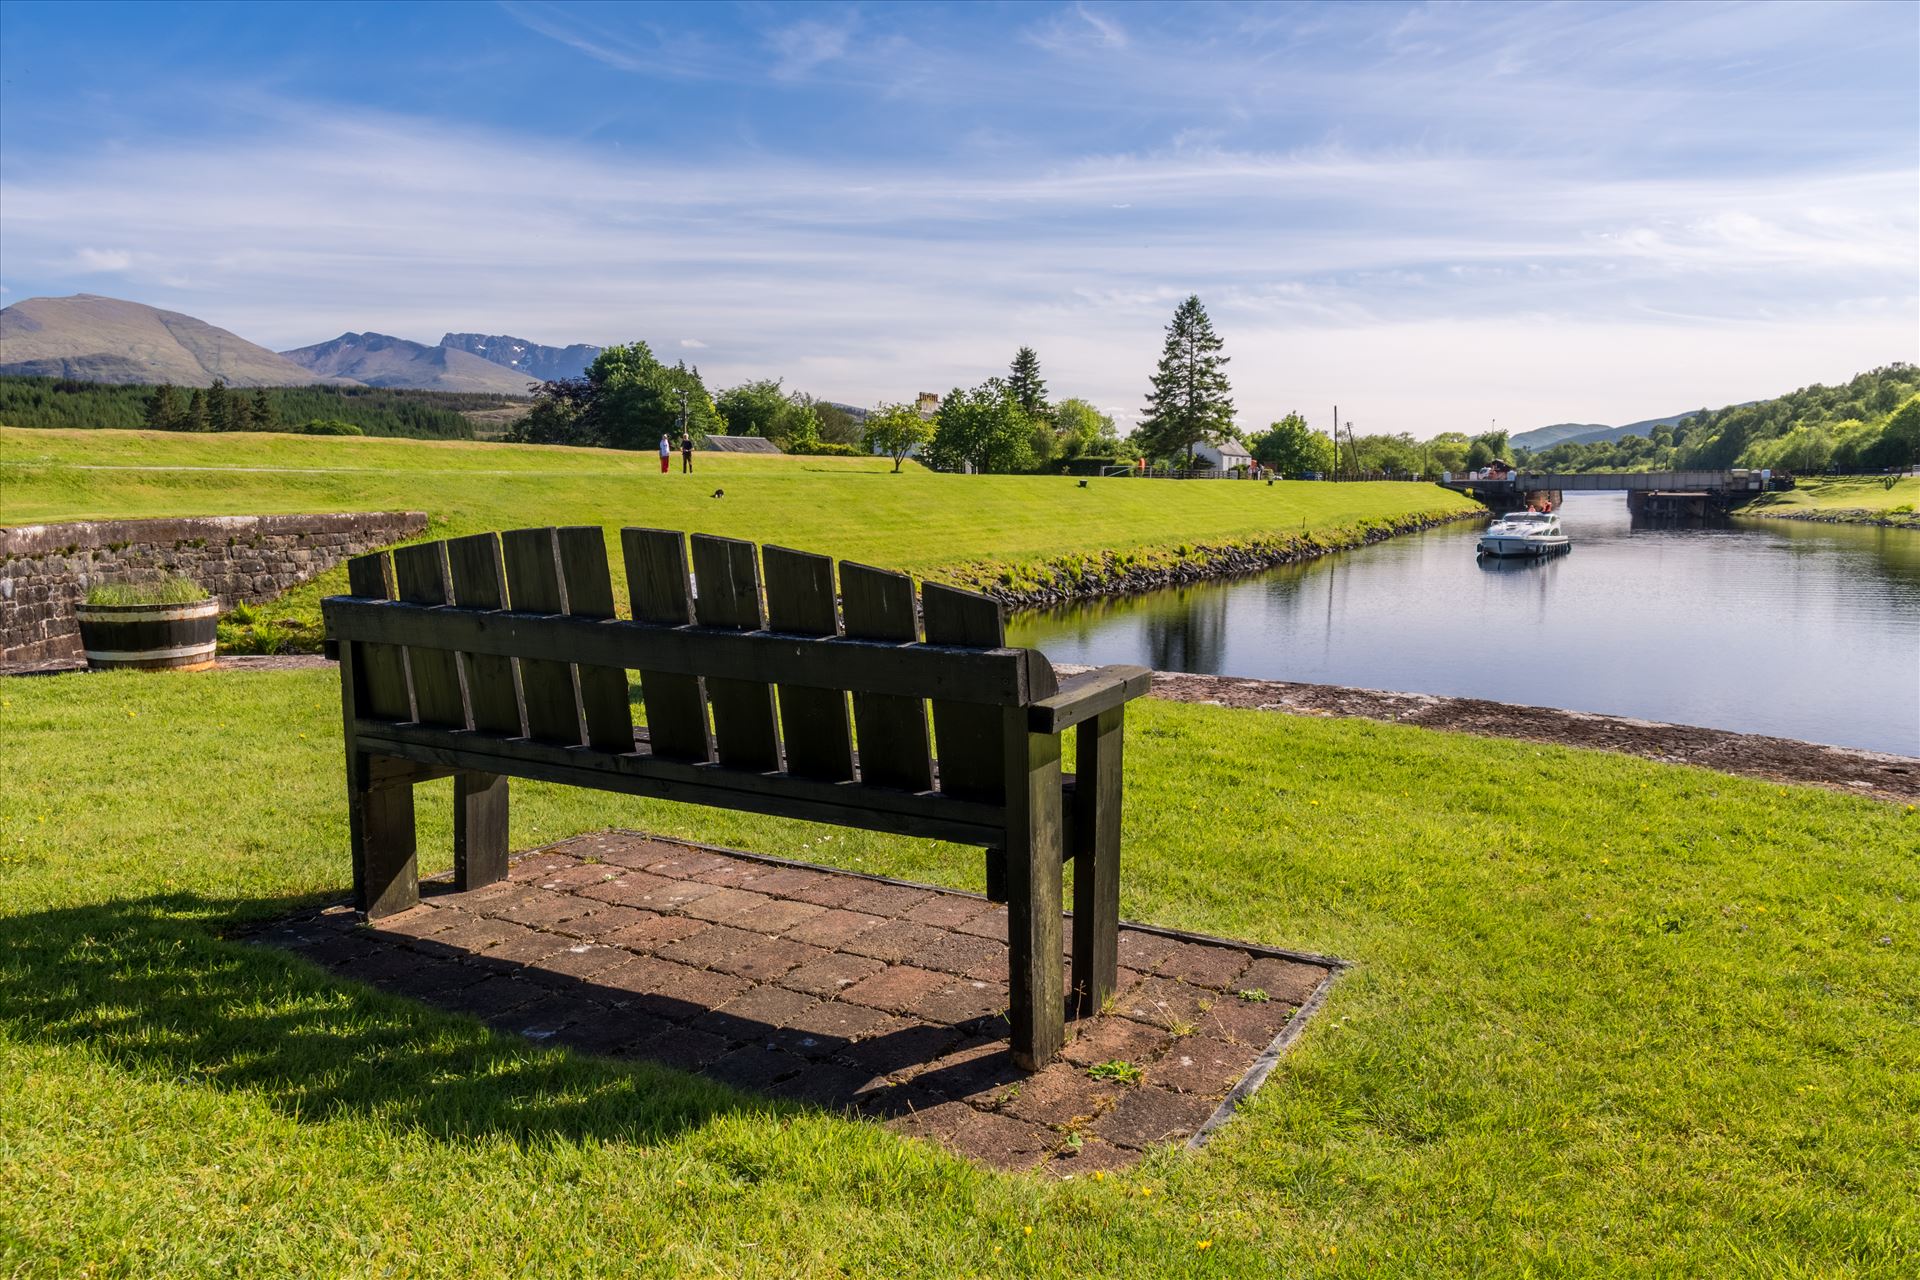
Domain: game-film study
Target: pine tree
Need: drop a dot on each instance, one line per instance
(263, 417)
(1025, 385)
(196, 415)
(216, 407)
(1190, 400)
(163, 411)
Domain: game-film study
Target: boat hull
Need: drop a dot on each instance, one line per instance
(1516, 547)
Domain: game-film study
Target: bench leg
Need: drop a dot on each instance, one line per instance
(997, 875)
(1035, 991)
(380, 827)
(1095, 832)
(479, 829)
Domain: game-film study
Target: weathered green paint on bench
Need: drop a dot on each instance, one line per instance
(492, 657)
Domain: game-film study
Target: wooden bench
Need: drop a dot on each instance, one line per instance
(499, 655)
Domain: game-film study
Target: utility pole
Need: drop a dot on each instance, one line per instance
(683, 411)
(1335, 433)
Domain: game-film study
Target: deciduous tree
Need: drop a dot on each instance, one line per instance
(894, 429)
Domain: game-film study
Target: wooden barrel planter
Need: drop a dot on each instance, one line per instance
(173, 637)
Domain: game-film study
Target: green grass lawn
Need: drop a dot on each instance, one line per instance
(1607, 1015)
(852, 508)
(1843, 493)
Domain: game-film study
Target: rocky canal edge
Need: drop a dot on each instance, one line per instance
(1854, 771)
(1066, 579)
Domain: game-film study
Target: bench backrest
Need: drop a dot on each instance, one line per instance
(773, 661)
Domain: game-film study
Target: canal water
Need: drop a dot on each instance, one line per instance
(1768, 626)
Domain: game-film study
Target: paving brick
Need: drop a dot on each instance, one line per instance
(833, 927)
(1199, 1064)
(826, 891)
(1144, 951)
(732, 875)
(1170, 1004)
(676, 895)
(896, 988)
(632, 889)
(1287, 980)
(782, 881)
(662, 989)
(831, 974)
(536, 867)
(776, 916)
(416, 922)
(542, 908)
(1145, 1115)
(716, 947)
(964, 954)
(604, 919)
(886, 899)
(834, 1025)
(894, 941)
(974, 1071)
(754, 1015)
(916, 1115)
(947, 910)
(492, 997)
(723, 904)
(899, 1047)
(680, 862)
(755, 1067)
(580, 875)
(612, 1033)
(580, 960)
(543, 1019)
(680, 1048)
(1203, 965)
(636, 852)
(961, 1000)
(474, 934)
(654, 932)
(1253, 1024)
(526, 946)
(1059, 1096)
(991, 923)
(1000, 1142)
(1116, 1040)
(827, 1085)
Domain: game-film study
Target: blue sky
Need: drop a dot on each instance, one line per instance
(1434, 215)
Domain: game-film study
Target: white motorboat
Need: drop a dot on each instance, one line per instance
(1524, 533)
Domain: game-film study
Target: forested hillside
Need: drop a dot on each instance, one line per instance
(374, 411)
(1869, 424)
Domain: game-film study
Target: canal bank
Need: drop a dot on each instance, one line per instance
(1063, 580)
(1881, 775)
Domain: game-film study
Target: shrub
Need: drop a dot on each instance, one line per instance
(827, 449)
(329, 427)
(172, 589)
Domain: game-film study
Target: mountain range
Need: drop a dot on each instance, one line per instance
(1590, 432)
(97, 339)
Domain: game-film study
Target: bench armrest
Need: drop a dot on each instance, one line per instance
(1085, 696)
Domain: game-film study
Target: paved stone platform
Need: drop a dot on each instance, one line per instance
(836, 989)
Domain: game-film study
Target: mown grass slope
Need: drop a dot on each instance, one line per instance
(1606, 1016)
(1871, 495)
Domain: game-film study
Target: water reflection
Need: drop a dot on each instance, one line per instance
(1804, 630)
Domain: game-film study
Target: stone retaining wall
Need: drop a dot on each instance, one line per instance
(46, 568)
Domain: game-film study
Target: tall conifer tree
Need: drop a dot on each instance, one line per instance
(1190, 401)
(1025, 385)
(263, 417)
(196, 415)
(163, 411)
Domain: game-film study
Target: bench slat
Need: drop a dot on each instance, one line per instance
(380, 670)
(813, 722)
(657, 589)
(968, 735)
(878, 605)
(420, 574)
(727, 594)
(533, 586)
(480, 582)
(589, 592)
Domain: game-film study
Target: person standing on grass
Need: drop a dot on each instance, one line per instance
(666, 452)
(686, 454)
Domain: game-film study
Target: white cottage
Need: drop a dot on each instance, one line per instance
(1224, 456)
